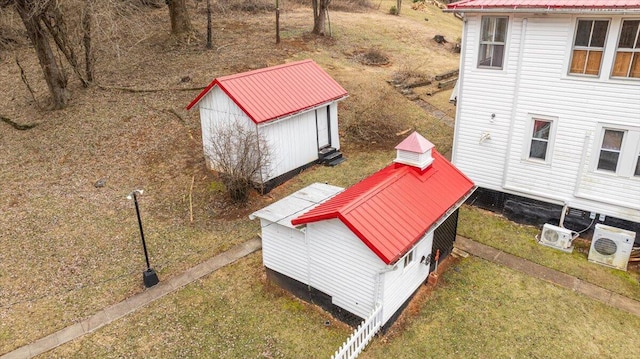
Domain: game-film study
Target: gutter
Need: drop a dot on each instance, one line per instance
(545, 11)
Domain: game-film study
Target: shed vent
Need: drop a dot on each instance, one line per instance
(415, 151)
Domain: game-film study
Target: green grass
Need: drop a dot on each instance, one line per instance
(482, 310)
(231, 313)
(513, 238)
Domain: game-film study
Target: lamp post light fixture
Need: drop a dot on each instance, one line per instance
(149, 276)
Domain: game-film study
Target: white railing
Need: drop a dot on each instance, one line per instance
(353, 346)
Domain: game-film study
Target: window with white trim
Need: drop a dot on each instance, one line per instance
(617, 151)
(610, 150)
(493, 39)
(627, 61)
(588, 46)
(540, 137)
(409, 258)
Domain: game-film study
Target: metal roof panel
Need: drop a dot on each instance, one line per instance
(279, 91)
(393, 208)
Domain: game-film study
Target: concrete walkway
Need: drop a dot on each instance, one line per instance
(135, 302)
(550, 275)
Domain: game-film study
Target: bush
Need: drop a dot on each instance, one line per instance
(373, 116)
(240, 156)
(393, 10)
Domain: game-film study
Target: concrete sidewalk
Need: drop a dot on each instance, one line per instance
(135, 302)
(550, 275)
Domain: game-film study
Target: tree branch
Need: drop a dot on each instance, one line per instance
(15, 125)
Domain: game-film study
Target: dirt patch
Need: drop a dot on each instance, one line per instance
(372, 57)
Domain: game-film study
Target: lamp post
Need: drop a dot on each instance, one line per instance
(149, 276)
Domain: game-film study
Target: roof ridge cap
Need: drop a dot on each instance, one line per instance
(375, 189)
(262, 70)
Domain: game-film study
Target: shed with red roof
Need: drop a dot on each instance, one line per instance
(372, 244)
(291, 107)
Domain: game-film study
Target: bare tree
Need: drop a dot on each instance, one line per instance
(241, 156)
(320, 11)
(180, 22)
(398, 7)
(32, 14)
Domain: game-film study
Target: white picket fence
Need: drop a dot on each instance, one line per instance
(356, 343)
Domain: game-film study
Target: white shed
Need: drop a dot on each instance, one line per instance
(293, 107)
(371, 244)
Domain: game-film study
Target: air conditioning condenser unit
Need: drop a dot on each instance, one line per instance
(611, 246)
(557, 237)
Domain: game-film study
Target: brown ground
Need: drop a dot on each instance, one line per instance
(68, 247)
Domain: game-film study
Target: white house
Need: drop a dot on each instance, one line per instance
(371, 244)
(548, 109)
(293, 107)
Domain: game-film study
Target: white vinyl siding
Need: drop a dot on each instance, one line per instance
(341, 265)
(217, 110)
(400, 284)
(293, 141)
(535, 82)
(284, 250)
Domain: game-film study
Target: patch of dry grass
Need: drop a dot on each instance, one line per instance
(69, 248)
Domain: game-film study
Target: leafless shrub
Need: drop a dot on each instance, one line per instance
(344, 5)
(373, 118)
(406, 76)
(251, 6)
(241, 156)
(11, 28)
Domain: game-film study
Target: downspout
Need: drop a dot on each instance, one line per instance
(463, 52)
(514, 108)
(378, 294)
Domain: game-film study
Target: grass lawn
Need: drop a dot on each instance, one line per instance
(231, 313)
(483, 310)
(519, 240)
(70, 248)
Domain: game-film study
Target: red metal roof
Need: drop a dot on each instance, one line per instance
(274, 92)
(392, 209)
(544, 4)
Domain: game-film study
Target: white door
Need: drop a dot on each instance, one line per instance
(322, 124)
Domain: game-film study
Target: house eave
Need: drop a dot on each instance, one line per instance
(545, 11)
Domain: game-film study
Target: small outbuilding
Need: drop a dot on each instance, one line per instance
(371, 245)
(292, 107)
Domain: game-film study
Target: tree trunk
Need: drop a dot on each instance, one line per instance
(54, 22)
(180, 22)
(53, 74)
(86, 40)
(209, 26)
(320, 8)
(399, 6)
(277, 22)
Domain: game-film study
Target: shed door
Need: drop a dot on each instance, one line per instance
(323, 128)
